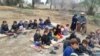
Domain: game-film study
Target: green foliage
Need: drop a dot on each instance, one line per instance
(13, 2)
(89, 3)
(91, 6)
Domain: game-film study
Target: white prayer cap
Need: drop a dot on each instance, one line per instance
(82, 13)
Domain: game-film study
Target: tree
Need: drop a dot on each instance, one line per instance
(20, 2)
(51, 4)
(91, 5)
(10, 2)
(62, 4)
(33, 3)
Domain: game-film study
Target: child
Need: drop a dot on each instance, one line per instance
(20, 24)
(41, 24)
(62, 29)
(14, 27)
(67, 41)
(45, 38)
(94, 39)
(47, 22)
(50, 34)
(90, 43)
(98, 35)
(30, 25)
(25, 24)
(65, 30)
(4, 27)
(35, 24)
(84, 48)
(37, 38)
(58, 32)
(20, 27)
(70, 49)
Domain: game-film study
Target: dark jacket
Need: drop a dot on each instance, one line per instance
(25, 25)
(58, 31)
(82, 49)
(46, 40)
(74, 22)
(67, 41)
(30, 25)
(47, 22)
(35, 25)
(4, 27)
(37, 37)
(14, 27)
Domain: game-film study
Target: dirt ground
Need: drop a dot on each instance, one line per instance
(21, 46)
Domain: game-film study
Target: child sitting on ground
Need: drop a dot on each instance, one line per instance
(20, 27)
(45, 38)
(4, 27)
(84, 48)
(65, 30)
(94, 39)
(37, 38)
(30, 25)
(14, 27)
(25, 24)
(35, 24)
(20, 23)
(41, 24)
(98, 35)
(58, 32)
(50, 34)
(47, 22)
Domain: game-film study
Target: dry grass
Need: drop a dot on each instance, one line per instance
(21, 45)
(6, 8)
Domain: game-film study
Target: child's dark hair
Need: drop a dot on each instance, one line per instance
(85, 41)
(73, 41)
(57, 26)
(46, 30)
(92, 32)
(88, 37)
(72, 36)
(15, 22)
(35, 20)
(67, 25)
(4, 22)
(40, 19)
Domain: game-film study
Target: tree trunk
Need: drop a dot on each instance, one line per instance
(33, 3)
(62, 4)
(50, 4)
(91, 11)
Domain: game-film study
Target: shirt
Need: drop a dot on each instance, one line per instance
(82, 20)
(68, 51)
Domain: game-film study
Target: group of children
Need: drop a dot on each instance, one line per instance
(74, 45)
(18, 27)
(50, 35)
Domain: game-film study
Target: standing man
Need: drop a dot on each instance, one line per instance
(74, 22)
(81, 24)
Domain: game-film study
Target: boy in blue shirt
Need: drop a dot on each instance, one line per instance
(70, 49)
